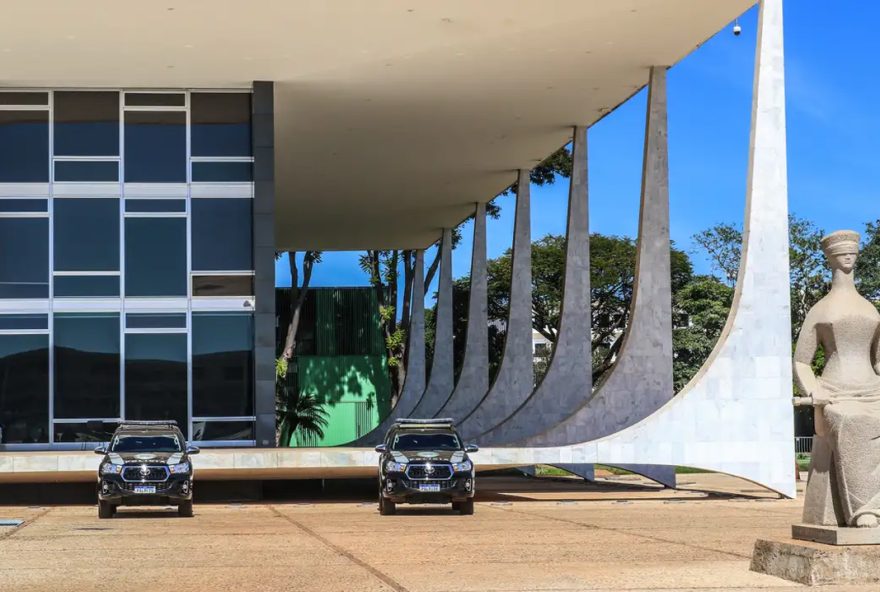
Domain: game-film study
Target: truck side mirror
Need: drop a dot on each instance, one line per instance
(101, 450)
(381, 448)
(471, 448)
(192, 450)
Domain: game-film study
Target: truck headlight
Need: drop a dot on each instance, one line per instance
(394, 467)
(109, 468)
(179, 468)
(462, 467)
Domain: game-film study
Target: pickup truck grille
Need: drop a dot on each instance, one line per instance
(145, 473)
(421, 472)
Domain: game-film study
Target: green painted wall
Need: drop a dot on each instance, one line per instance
(340, 360)
(354, 391)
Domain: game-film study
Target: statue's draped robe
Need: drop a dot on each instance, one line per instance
(851, 423)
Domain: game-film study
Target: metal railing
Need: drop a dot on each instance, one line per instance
(803, 444)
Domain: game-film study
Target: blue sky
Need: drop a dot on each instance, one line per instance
(833, 116)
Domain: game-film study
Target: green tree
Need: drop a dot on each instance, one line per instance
(868, 271)
(809, 276)
(700, 310)
(295, 412)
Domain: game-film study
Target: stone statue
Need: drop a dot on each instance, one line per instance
(844, 484)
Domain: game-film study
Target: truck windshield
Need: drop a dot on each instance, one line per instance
(426, 442)
(145, 444)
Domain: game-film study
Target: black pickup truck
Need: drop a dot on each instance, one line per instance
(423, 461)
(146, 463)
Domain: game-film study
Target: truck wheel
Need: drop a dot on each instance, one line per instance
(185, 509)
(105, 509)
(467, 507)
(386, 508)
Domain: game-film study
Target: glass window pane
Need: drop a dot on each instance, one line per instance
(223, 430)
(155, 377)
(24, 205)
(155, 321)
(86, 431)
(221, 124)
(86, 285)
(155, 257)
(222, 172)
(86, 365)
(24, 389)
(86, 234)
(155, 99)
(155, 147)
(86, 171)
(24, 98)
(24, 321)
(24, 258)
(221, 234)
(155, 205)
(86, 123)
(223, 364)
(24, 146)
(223, 285)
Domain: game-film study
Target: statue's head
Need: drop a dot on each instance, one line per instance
(841, 249)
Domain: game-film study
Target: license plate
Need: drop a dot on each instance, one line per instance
(145, 489)
(429, 487)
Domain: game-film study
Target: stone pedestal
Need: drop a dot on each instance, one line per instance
(816, 564)
(835, 535)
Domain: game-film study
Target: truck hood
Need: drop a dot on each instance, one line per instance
(411, 456)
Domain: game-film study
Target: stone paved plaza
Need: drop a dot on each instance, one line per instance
(623, 534)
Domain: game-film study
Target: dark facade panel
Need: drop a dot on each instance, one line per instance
(87, 373)
(221, 124)
(155, 377)
(86, 171)
(86, 234)
(155, 257)
(222, 234)
(24, 146)
(24, 389)
(86, 123)
(81, 286)
(24, 258)
(155, 147)
(223, 364)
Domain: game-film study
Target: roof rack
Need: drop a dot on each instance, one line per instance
(163, 422)
(433, 421)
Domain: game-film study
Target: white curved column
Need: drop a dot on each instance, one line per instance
(735, 416)
(640, 382)
(516, 376)
(441, 381)
(473, 380)
(568, 381)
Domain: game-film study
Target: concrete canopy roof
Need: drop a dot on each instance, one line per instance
(392, 117)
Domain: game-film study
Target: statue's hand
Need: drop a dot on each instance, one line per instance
(820, 397)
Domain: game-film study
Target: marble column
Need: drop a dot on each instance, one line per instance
(473, 381)
(516, 377)
(442, 377)
(568, 381)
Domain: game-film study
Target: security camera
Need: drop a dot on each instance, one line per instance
(737, 30)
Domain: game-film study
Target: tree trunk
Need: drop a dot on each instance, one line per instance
(297, 298)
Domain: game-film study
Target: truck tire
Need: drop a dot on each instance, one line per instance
(185, 509)
(386, 508)
(105, 509)
(466, 507)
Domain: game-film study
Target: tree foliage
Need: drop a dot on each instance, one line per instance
(295, 411)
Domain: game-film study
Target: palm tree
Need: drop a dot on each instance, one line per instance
(295, 411)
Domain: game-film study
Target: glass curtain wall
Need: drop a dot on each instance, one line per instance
(126, 264)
